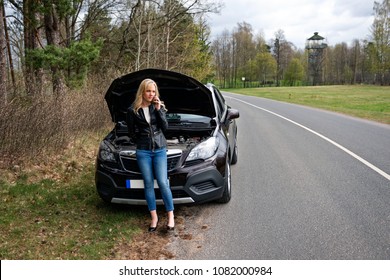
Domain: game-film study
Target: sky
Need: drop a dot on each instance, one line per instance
(336, 20)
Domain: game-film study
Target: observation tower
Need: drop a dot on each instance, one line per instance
(315, 46)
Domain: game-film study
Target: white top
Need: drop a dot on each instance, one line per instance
(146, 113)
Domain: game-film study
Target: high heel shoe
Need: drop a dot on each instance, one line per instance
(170, 228)
(152, 229)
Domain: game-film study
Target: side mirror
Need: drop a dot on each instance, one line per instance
(232, 114)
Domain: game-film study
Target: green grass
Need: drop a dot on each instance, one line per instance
(53, 220)
(62, 218)
(368, 102)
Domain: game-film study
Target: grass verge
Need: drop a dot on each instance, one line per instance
(368, 102)
(50, 209)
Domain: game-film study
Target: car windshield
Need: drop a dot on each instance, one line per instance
(180, 118)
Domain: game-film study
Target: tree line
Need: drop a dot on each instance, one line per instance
(51, 46)
(243, 58)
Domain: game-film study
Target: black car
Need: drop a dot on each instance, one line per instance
(201, 136)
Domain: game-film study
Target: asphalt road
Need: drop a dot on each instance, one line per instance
(309, 184)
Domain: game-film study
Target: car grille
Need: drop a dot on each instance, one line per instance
(129, 160)
(172, 162)
(130, 164)
(203, 187)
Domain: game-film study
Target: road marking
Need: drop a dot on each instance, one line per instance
(362, 160)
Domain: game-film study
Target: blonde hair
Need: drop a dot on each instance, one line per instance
(137, 104)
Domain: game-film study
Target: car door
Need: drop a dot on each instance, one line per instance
(228, 125)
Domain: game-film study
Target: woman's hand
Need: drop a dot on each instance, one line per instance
(157, 103)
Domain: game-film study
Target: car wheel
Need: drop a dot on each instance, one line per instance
(235, 155)
(227, 192)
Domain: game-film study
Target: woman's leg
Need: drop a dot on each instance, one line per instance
(171, 219)
(161, 173)
(144, 159)
(154, 217)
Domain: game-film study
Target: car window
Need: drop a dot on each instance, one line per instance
(220, 101)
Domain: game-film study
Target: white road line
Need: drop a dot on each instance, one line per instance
(362, 160)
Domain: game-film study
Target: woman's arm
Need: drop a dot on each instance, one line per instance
(130, 123)
(162, 119)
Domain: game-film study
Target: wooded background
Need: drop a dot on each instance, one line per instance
(58, 57)
(55, 45)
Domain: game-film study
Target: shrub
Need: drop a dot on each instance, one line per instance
(33, 125)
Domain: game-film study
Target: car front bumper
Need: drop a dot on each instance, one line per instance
(188, 186)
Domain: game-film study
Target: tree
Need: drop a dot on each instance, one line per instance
(294, 72)
(158, 34)
(54, 12)
(355, 62)
(244, 51)
(367, 64)
(33, 39)
(53, 50)
(3, 60)
(380, 33)
(222, 48)
(265, 67)
(340, 56)
(198, 61)
(283, 53)
(179, 23)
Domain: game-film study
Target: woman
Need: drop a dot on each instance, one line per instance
(146, 121)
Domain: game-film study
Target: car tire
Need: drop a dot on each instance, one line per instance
(227, 192)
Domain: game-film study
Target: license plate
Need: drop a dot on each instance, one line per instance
(138, 184)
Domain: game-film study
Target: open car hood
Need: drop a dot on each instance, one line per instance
(180, 93)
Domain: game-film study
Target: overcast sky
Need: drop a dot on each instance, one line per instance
(336, 20)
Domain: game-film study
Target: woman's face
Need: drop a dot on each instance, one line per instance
(149, 93)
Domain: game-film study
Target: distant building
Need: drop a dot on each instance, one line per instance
(315, 46)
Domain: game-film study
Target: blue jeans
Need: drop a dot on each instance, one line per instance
(154, 163)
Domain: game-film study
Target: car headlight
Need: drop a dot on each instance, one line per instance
(204, 150)
(106, 153)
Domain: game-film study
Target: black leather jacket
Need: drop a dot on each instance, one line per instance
(147, 136)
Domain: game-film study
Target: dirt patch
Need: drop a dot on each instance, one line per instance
(146, 245)
(164, 245)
